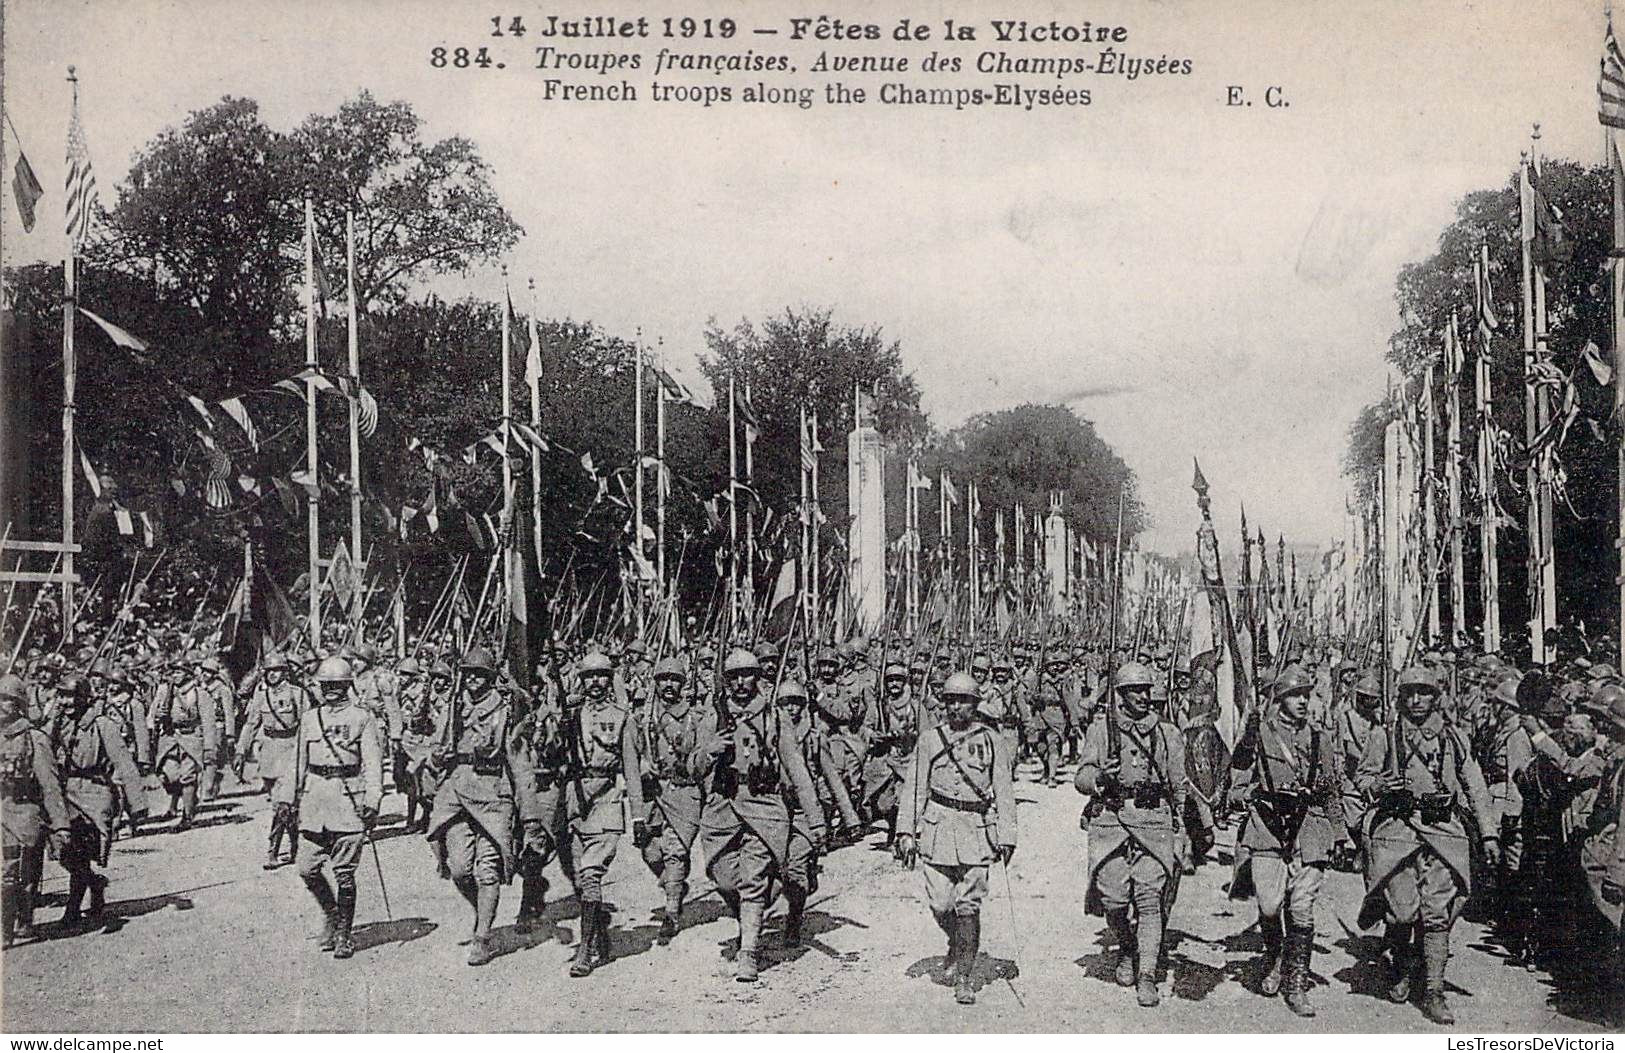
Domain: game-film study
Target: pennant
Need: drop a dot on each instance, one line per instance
(239, 413)
(674, 390)
(533, 354)
(1542, 223)
(949, 489)
(531, 437)
(809, 459)
(431, 511)
(126, 525)
(366, 412)
(114, 333)
(1601, 369)
(1611, 82)
(90, 475)
(26, 186)
(147, 529)
(474, 531)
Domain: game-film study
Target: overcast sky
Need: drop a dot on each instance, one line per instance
(1228, 272)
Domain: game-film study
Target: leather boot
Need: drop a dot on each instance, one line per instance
(485, 912)
(586, 940)
(1148, 937)
(970, 943)
(674, 914)
(950, 961)
(1300, 948)
(750, 928)
(1401, 952)
(1270, 966)
(98, 894)
(797, 908)
(73, 913)
(730, 946)
(323, 894)
(600, 950)
(1435, 952)
(343, 942)
(1123, 933)
(273, 846)
(188, 809)
(532, 902)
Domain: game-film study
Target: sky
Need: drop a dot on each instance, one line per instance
(1196, 279)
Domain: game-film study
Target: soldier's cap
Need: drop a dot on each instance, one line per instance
(74, 684)
(368, 651)
(896, 671)
(1419, 678)
(409, 667)
(1602, 671)
(1369, 686)
(442, 670)
(103, 668)
(981, 661)
(635, 649)
(1609, 704)
(767, 651)
(1555, 708)
(826, 657)
(1506, 689)
(54, 662)
(84, 655)
(13, 689)
(1294, 680)
(480, 659)
(739, 660)
(275, 660)
(1133, 674)
(334, 670)
(919, 666)
(791, 689)
(1002, 661)
(596, 663)
(669, 668)
(962, 685)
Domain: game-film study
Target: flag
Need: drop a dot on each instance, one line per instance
(114, 333)
(675, 390)
(238, 412)
(809, 459)
(1487, 322)
(1454, 359)
(1549, 241)
(366, 411)
(26, 186)
(916, 479)
(146, 528)
(121, 516)
(90, 474)
(949, 489)
(781, 607)
(1601, 368)
(533, 353)
(518, 642)
(431, 511)
(1611, 82)
(215, 491)
(747, 414)
(81, 182)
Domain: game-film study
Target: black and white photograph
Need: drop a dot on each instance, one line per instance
(948, 517)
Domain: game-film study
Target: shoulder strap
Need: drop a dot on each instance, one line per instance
(947, 748)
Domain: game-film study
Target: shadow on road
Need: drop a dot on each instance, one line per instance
(814, 924)
(641, 938)
(986, 969)
(401, 930)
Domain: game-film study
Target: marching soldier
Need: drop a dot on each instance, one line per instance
(374, 691)
(1289, 783)
(1360, 716)
(1602, 847)
(893, 726)
(331, 796)
(550, 752)
(275, 708)
(33, 809)
(958, 814)
(840, 709)
(183, 715)
(800, 872)
(674, 812)
(1050, 715)
(1132, 767)
(486, 794)
(747, 756)
(1000, 706)
(96, 769)
(213, 681)
(123, 706)
(1418, 873)
(423, 711)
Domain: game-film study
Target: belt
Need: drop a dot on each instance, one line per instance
(88, 775)
(481, 765)
(186, 729)
(978, 807)
(285, 734)
(336, 771)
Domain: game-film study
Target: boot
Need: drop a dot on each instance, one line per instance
(586, 940)
(797, 909)
(730, 947)
(532, 903)
(949, 924)
(674, 912)
(1148, 935)
(343, 942)
(1123, 933)
(485, 912)
(1300, 948)
(1399, 941)
(72, 914)
(188, 809)
(750, 928)
(970, 941)
(273, 847)
(1269, 967)
(324, 899)
(98, 895)
(1435, 952)
(601, 955)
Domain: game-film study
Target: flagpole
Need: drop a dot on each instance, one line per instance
(806, 519)
(313, 483)
(733, 506)
(637, 486)
(1535, 414)
(355, 404)
(750, 515)
(1452, 474)
(70, 266)
(507, 449)
(533, 381)
(817, 535)
(1617, 318)
(1489, 572)
(1430, 561)
(660, 471)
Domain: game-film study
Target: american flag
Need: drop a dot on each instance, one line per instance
(81, 182)
(1611, 82)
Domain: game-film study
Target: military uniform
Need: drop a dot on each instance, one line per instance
(423, 714)
(893, 729)
(1051, 705)
(549, 756)
(335, 785)
(1000, 709)
(222, 708)
(1134, 830)
(598, 798)
(675, 803)
(800, 870)
(958, 801)
(185, 721)
(33, 808)
(269, 732)
(840, 711)
(96, 769)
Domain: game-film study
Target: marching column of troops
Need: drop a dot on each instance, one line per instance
(1476, 784)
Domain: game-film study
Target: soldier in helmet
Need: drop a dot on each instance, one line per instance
(769, 657)
(1602, 839)
(675, 800)
(96, 769)
(275, 708)
(486, 793)
(1421, 781)
(747, 757)
(1132, 767)
(893, 727)
(423, 701)
(33, 809)
(552, 754)
(1050, 712)
(188, 729)
(374, 691)
(212, 680)
(840, 711)
(999, 706)
(957, 815)
(800, 870)
(121, 704)
(331, 795)
(1361, 714)
(1288, 778)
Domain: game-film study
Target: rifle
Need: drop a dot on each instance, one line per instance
(1113, 744)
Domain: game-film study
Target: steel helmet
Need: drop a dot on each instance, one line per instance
(333, 671)
(1369, 686)
(73, 684)
(409, 667)
(1608, 703)
(1602, 671)
(792, 689)
(104, 669)
(442, 669)
(896, 671)
(1506, 689)
(12, 687)
(480, 658)
(826, 657)
(669, 668)
(981, 661)
(767, 650)
(1418, 677)
(594, 663)
(962, 684)
(740, 660)
(1132, 674)
(1293, 680)
(1002, 661)
(276, 660)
